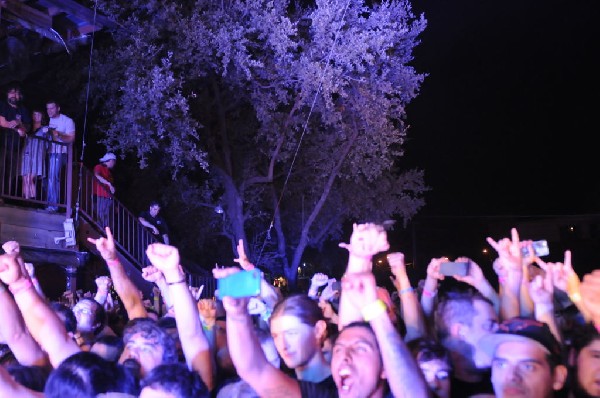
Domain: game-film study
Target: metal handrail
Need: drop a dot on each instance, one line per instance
(31, 155)
(129, 234)
(27, 158)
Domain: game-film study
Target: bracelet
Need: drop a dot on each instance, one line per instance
(373, 310)
(406, 290)
(428, 293)
(20, 286)
(113, 262)
(182, 280)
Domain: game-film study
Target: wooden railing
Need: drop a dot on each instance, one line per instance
(28, 159)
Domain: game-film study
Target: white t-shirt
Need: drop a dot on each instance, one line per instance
(65, 125)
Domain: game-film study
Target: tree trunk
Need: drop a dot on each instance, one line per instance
(292, 270)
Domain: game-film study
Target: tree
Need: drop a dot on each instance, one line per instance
(297, 112)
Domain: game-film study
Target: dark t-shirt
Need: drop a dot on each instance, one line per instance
(317, 390)
(157, 221)
(463, 389)
(9, 113)
(324, 389)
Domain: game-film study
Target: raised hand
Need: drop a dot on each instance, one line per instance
(475, 275)
(10, 269)
(152, 274)
(563, 275)
(103, 283)
(196, 291)
(397, 265)
(163, 257)
(433, 269)
(207, 308)
(256, 306)
(541, 290)
(106, 246)
(11, 247)
(366, 240)
(509, 256)
(329, 291)
(319, 280)
(243, 260)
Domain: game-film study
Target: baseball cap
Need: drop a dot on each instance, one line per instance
(522, 329)
(107, 157)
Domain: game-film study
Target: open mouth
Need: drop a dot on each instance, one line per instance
(345, 379)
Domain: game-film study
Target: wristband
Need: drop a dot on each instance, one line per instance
(373, 310)
(113, 262)
(427, 293)
(406, 290)
(20, 286)
(182, 280)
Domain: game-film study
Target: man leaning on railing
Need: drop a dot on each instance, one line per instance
(62, 129)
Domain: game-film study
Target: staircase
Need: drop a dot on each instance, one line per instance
(43, 236)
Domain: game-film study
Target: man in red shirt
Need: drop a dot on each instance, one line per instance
(103, 188)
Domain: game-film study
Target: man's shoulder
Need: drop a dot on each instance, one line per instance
(3, 108)
(65, 118)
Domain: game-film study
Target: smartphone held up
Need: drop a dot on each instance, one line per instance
(540, 248)
(454, 268)
(240, 284)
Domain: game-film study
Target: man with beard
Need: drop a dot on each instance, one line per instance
(15, 121)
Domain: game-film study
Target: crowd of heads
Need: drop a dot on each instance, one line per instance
(339, 338)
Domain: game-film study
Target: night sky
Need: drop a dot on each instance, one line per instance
(505, 121)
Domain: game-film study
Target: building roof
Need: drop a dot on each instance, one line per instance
(42, 27)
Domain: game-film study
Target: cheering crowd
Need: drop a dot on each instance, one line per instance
(453, 335)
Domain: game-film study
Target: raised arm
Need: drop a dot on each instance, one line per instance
(268, 292)
(366, 241)
(566, 279)
(402, 372)
(146, 224)
(476, 279)
(103, 284)
(124, 287)
(510, 260)
(318, 280)
(154, 275)
(246, 352)
(43, 323)
(193, 341)
(411, 308)
(15, 333)
(430, 287)
(541, 291)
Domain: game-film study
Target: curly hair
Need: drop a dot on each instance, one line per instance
(150, 330)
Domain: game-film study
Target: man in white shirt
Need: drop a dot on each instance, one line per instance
(62, 128)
